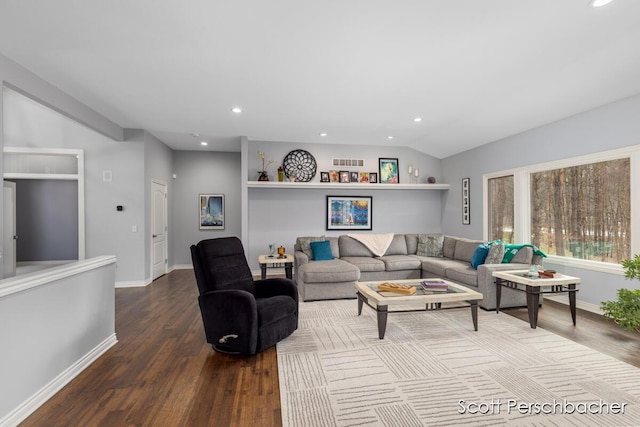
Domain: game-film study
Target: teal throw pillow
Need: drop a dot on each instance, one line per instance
(321, 250)
(479, 255)
(305, 244)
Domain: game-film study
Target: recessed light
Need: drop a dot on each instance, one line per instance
(417, 119)
(237, 110)
(390, 137)
(323, 134)
(204, 143)
(600, 3)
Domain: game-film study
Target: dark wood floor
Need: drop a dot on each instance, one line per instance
(162, 372)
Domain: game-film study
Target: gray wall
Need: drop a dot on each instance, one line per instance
(612, 126)
(200, 172)
(107, 231)
(280, 215)
(46, 220)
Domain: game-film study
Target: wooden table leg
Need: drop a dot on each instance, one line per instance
(533, 299)
(498, 293)
(263, 271)
(360, 302)
(382, 320)
(474, 314)
(572, 302)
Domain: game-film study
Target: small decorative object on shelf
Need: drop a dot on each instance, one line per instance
(281, 252)
(431, 180)
(280, 174)
(263, 176)
(416, 173)
(301, 164)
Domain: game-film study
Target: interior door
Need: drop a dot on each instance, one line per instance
(9, 228)
(158, 229)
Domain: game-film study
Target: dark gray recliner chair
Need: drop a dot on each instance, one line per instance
(240, 315)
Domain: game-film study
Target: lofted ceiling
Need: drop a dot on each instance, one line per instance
(358, 70)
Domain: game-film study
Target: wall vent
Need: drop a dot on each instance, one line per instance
(348, 162)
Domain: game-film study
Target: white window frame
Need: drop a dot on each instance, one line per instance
(522, 205)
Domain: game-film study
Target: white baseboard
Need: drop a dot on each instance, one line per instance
(133, 284)
(586, 306)
(182, 267)
(30, 405)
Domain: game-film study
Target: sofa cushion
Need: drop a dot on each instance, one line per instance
(400, 262)
(351, 247)
(304, 243)
(430, 245)
(463, 274)
(365, 263)
(438, 266)
(412, 243)
(478, 257)
(496, 253)
(449, 246)
(333, 271)
(398, 246)
(523, 256)
(465, 249)
(321, 250)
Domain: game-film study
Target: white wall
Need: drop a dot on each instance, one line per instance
(612, 126)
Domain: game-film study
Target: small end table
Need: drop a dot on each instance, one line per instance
(273, 261)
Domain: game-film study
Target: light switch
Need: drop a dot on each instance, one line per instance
(134, 228)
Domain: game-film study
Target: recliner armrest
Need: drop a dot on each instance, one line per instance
(276, 286)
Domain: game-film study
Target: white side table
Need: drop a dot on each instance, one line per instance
(275, 262)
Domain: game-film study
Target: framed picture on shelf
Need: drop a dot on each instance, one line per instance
(466, 206)
(211, 211)
(388, 169)
(324, 177)
(373, 177)
(334, 176)
(354, 177)
(349, 212)
(364, 177)
(344, 176)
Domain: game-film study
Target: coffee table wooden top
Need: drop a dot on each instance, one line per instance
(519, 276)
(461, 293)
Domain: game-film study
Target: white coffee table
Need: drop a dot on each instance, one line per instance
(534, 287)
(380, 302)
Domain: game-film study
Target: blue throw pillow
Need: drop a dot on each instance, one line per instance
(321, 251)
(479, 255)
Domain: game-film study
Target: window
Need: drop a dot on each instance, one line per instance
(501, 225)
(583, 211)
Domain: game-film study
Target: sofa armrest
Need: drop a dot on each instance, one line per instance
(230, 320)
(487, 286)
(276, 286)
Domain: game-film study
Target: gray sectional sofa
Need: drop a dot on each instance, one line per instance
(353, 261)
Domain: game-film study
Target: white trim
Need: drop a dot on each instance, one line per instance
(604, 267)
(583, 305)
(29, 406)
(345, 186)
(133, 283)
(24, 282)
(183, 267)
(166, 225)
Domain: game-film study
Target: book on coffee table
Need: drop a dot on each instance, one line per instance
(435, 285)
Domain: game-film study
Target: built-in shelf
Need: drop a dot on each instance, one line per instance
(345, 186)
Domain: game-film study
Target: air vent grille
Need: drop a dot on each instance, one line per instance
(348, 162)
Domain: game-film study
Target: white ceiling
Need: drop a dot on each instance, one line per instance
(359, 70)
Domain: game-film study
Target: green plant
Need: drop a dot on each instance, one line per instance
(625, 311)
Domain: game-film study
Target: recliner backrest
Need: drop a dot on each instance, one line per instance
(221, 264)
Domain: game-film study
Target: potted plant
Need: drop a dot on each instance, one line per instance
(263, 176)
(625, 311)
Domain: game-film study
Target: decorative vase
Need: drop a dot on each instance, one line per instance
(280, 174)
(263, 176)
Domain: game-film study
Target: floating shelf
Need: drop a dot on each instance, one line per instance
(345, 186)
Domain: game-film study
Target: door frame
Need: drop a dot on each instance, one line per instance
(151, 223)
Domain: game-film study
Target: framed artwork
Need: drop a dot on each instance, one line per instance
(466, 206)
(324, 177)
(388, 169)
(373, 177)
(354, 177)
(364, 176)
(334, 176)
(344, 176)
(349, 212)
(211, 211)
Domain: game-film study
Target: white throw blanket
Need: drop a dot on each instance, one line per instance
(376, 243)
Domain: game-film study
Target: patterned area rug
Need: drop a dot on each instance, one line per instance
(432, 369)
